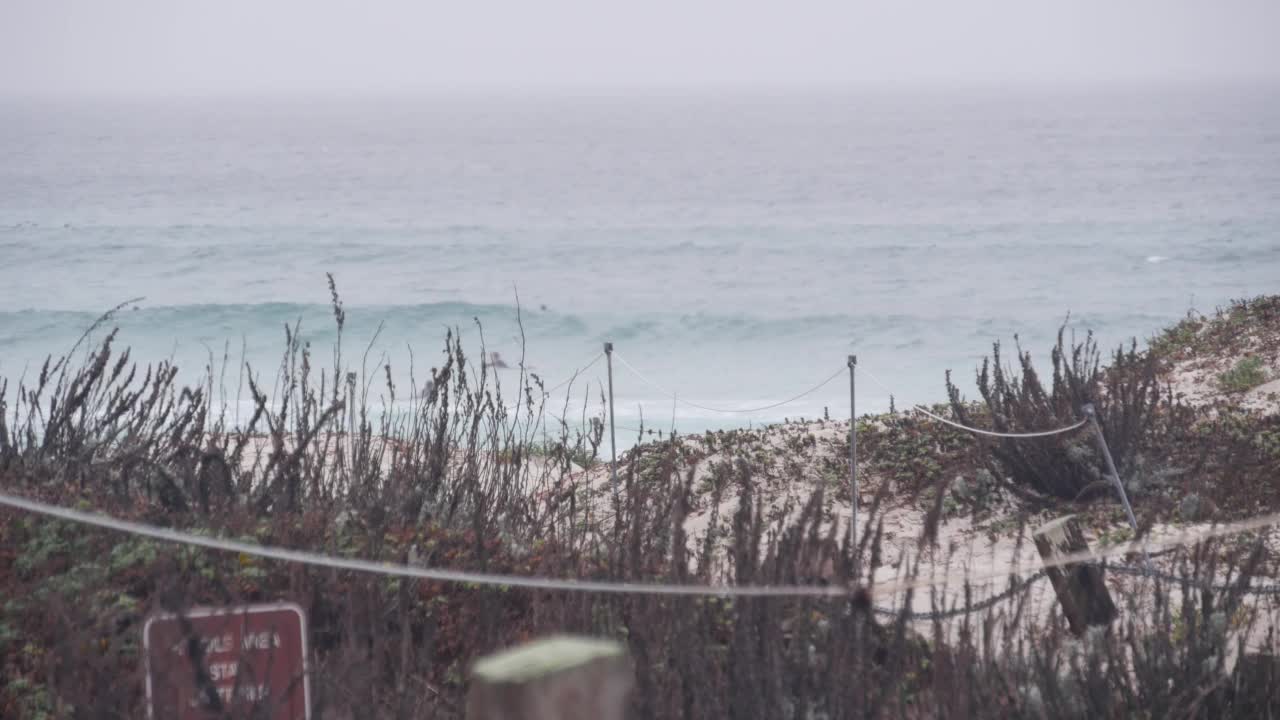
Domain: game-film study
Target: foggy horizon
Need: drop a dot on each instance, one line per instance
(148, 49)
(639, 360)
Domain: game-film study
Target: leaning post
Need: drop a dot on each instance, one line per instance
(1079, 586)
(1115, 475)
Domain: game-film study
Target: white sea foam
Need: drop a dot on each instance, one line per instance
(736, 250)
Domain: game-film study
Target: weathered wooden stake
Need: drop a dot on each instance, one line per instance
(1079, 586)
(1255, 686)
(556, 678)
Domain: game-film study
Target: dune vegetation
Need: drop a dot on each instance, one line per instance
(483, 477)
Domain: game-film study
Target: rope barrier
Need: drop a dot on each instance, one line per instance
(1135, 571)
(1016, 588)
(576, 373)
(658, 588)
(578, 425)
(863, 370)
(992, 433)
(674, 396)
(574, 376)
(601, 586)
(422, 573)
(978, 431)
(1182, 539)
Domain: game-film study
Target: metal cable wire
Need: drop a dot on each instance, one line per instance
(674, 396)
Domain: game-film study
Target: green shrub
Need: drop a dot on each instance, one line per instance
(1180, 337)
(1247, 374)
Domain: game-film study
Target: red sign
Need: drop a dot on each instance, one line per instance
(208, 661)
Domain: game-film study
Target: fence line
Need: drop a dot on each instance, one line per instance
(546, 583)
(575, 374)
(876, 380)
(978, 431)
(991, 433)
(579, 425)
(422, 573)
(1015, 588)
(572, 377)
(602, 586)
(674, 396)
(1151, 573)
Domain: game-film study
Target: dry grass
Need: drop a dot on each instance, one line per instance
(459, 481)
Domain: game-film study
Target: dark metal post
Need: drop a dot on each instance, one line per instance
(1115, 474)
(853, 461)
(613, 441)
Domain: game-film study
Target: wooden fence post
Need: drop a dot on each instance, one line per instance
(1079, 586)
(1254, 690)
(556, 678)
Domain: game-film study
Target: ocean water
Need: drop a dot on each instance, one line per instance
(735, 248)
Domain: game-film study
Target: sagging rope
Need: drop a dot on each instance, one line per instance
(977, 431)
(602, 586)
(992, 433)
(576, 374)
(675, 396)
(411, 571)
(572, 377)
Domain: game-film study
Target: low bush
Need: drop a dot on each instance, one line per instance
(1125, 396)
(1245, 375)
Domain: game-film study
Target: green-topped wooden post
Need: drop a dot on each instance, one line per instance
(562, 677)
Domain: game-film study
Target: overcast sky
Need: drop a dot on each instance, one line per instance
(165, 47)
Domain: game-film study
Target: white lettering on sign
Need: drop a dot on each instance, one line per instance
(261, 641)
(230, 658)
(226, 643)
(226, 693)
(220, 644)
(212, 645)
(223, 670)
(254, 693)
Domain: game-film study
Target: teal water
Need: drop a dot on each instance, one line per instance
(734, 248)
